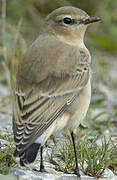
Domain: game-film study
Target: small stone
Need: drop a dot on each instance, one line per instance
(7, 177)
(108, 175)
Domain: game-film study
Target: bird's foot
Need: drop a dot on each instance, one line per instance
(77, 173)
(42, 169)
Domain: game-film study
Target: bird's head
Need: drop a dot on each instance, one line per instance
(69, 23)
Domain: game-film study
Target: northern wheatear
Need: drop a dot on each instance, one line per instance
(53, 87)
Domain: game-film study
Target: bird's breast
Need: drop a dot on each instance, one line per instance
(79, 108)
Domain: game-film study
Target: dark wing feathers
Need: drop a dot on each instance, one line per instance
(31, 132)
(34, 117)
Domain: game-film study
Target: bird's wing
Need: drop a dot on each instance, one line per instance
(35, 110)
(33, 114)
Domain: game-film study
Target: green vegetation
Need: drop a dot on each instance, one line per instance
(92, 159)
(6, 152)
(6, 160)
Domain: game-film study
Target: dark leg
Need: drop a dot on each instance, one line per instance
(75, 152)
(41, 163)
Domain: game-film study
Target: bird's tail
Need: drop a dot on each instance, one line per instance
(29, 155)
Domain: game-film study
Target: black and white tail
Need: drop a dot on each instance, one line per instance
(29, 155)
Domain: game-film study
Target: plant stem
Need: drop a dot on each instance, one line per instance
(5, 64)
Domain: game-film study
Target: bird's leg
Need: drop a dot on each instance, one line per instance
(75, 152)
(41, 162)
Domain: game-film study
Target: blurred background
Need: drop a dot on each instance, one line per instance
(20, 25)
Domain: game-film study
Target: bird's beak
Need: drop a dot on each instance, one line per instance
(92, 20)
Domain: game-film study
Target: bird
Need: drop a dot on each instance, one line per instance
(53, 84)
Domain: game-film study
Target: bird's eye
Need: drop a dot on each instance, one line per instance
(67, 20)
